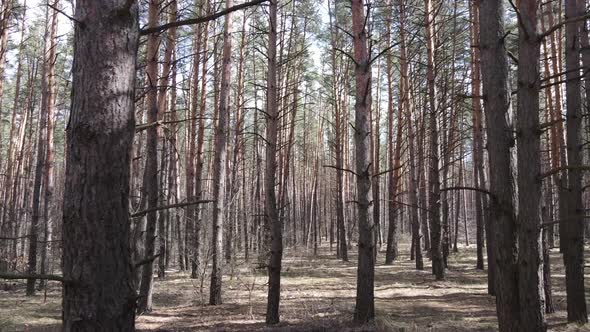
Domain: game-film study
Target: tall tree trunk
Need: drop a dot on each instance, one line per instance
(376, 156)
(342, 250)
(151, 166)
(496, 92)
(530, 259)
(6, 12)
(365, 298)
(394, 156)
(194, 161)
(272, 213)
(40, 167)
(10, 181)
(219, 165)
(168, 140)
(477, 133)
(438, 268)
(572, 235)
(48, 93)
(99, 294)
(199, 150)
(412, 139)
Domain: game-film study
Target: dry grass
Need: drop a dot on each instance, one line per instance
(317, 295)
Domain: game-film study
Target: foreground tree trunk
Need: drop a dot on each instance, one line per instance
(272, 213)
(496, 92)
(530, 259)
(365, 301)
(99, 294)
(572, 235)
(219, 165)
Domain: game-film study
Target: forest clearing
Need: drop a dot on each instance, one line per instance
(318, 295)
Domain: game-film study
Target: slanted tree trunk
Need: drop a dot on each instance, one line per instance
(99, 294)
(365, 301)
(530, 259)
(496, 93)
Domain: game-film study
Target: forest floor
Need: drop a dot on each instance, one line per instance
(318, 294)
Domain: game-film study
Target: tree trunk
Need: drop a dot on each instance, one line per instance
(572, 235)
(151, 166)
(272, 213)
(219, 165)
(199, 151)
(48, 93)
(530, 259)
(394, 160)
(98, 294)
(477, 133)
(365, 302)
(438, 268)
(496, 92)
(169, 139)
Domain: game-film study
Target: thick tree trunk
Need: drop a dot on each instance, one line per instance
(530, 259)
(572, 231)
(496, 92)
(98, 294)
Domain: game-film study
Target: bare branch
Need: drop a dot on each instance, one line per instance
(11, 276)
(468, 188)
(170, 206)
(201, 19)
(340, 169)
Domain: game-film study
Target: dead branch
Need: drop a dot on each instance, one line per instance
(170, 206)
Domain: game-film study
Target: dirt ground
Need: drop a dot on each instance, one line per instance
(318, 294)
